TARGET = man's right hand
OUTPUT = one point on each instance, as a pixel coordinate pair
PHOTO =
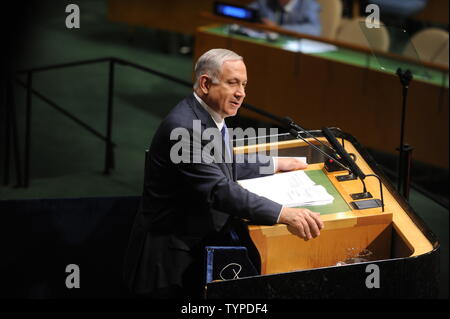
(301, 221)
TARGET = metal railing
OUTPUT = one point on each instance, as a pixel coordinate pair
(11, 121)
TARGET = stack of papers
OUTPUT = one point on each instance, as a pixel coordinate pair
(307, 46)
(289, 189)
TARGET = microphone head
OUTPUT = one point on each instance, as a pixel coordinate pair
(288, 120)
(293, 132)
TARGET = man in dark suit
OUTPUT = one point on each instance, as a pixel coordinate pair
(191, 199)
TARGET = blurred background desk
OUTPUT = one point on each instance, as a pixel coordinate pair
(171, 15)
(343, 88)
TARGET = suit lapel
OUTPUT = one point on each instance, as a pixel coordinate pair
(207, 122)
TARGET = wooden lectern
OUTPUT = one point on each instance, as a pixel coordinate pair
(401, 254)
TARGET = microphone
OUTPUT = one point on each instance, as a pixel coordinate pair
(405, 76)
(290, 122)
(342, 153)
(330, 164)
(334, 159)
(368, 203)
(337, 152)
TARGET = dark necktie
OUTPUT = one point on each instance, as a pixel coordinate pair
(234, 237)
(282, 16)
(226, 141)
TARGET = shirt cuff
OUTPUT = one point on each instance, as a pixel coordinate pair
(275, 164)
(279, 214)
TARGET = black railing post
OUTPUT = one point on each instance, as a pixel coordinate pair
(405, 176)
(5, 106)
(11, 134)
(109, 153)
(28, 130)
(15, 135)
(405, 78)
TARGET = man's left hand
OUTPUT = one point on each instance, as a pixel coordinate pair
(290, 164)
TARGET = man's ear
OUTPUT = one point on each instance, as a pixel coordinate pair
(204, 84)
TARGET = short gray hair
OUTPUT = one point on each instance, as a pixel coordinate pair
(210, 63)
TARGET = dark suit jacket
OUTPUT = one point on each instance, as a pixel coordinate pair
(186, 205)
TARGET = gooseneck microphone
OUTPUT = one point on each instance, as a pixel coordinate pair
(297, 134)
(290, 122)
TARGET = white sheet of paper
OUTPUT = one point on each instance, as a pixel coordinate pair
(307, 46)
(289, 189)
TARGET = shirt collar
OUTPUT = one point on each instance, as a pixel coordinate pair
(215, 116)
(290, 6)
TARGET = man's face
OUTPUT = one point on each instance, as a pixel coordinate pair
(226, 96)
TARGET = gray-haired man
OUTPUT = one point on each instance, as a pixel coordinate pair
(195, 202)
